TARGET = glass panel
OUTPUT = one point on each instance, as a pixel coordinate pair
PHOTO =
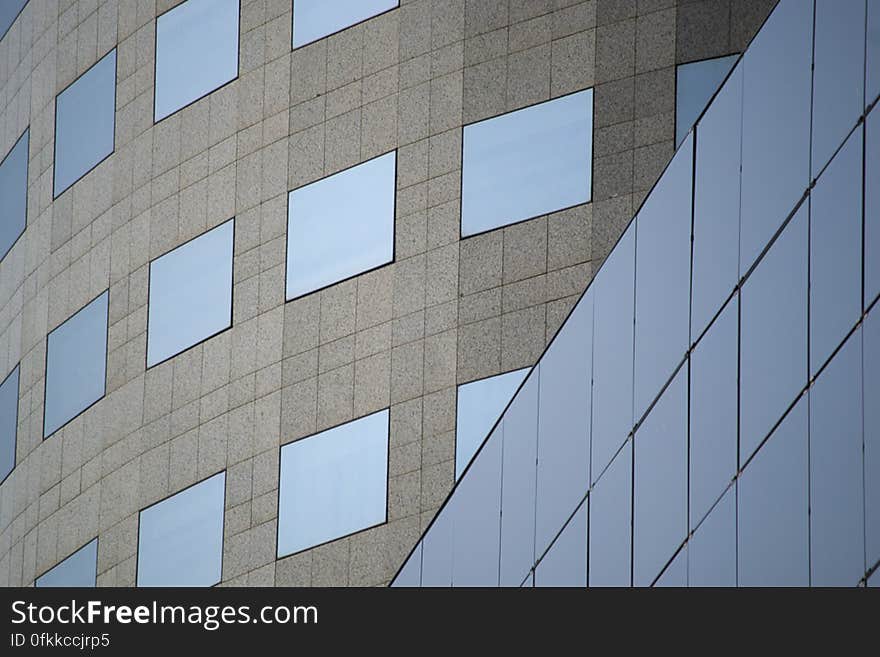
(518, 483)
(190, 296)
(694, 85)
(333, 483)
(9, 11)
(85, 122)
(776, 124)
(773, 536)
(315, 19)
(180, 539)
(79, 569)
(613, 352)
(773, 351)
(13, 193)
(437, 548)
(676, 573)
(196, 52)
(872, 77)
(527, 163)
(712, 548)
(871, 392)
(661, 485)
(713, 412)
(872, 206)
(8, 422)
(480, 404)
(663, 278)
(565, 563)
(76, 364)
(411, 573)
(477, 519)
(838, 75)
(341, 226)
(564, 423)
(835, 251)
(610, 517)
(716, 203)
(837, 502)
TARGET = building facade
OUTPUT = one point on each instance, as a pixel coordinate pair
(252, 249)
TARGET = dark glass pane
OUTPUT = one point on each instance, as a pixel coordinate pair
(716, 203)
(518, 483)
(676, 574)
(527, 163)
(872, 206)
(8, 422)
(660, 487)
(837, 520)
(315, 19)
(479, 405)
(613, 352)
(776, 124)
(85, 121)
(437, 548)
(76, 364)
(565, 563)
(564, 423)
(9, 10)
(80, 569)
(180, 539)
(695, 83)
(13, 193)
(333, 483)
(773, 344)
(476, 524)
(773, 536)
(871, 329)
(838, 75)
(610, 517)
(663, 275)
(712, 548)
(411, 573)
(836, 252)
(713, 412)
(872, 77)
(190, 294)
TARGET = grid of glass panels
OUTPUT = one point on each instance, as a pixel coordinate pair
(695, 82)
(13, 193)
(315, 19)
(80, 569)
(8, 422)
(757, 459)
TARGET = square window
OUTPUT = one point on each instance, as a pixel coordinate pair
(76, 364)
(333, 483)
(695, 82)
(180, 539)
(85, 123)
(341, 226)
(13, 193)
(527, 163)
(190, 294)
(196, 52)
(8, 422)
(80, 569)
(315, 19)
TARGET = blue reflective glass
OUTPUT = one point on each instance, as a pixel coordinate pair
(836, 251)
(180, 539)
(610, 517)
(190, 297)
(437, 548)
(76, 364)
(773, 344)
(315, 19)
(476, 523)
(613, 352)
(565, 563)
(480, 404)
(694, 85)
(8, 422)
(660, 485)
(776, 124)
(716, 203)
(872, 59)
(411, 573)
(13, 193)
(196, 52)
(676, 573)
(520, 425)
(663, 277)
(773, 536)
(712, 548)
(341, 225)
(872, 206)
(80, 569)
(527, 163)
(85, 122)
(838, 75)
(564, 423)
(713, 456)
(333, 483)
(871, 392)
(837, 520)
(9, 11)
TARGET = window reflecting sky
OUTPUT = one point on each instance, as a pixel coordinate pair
(80, 569)
(313, 19)
(694, 85)
(8, 422)
(565, 563)
(9, 10)
(13, 193)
